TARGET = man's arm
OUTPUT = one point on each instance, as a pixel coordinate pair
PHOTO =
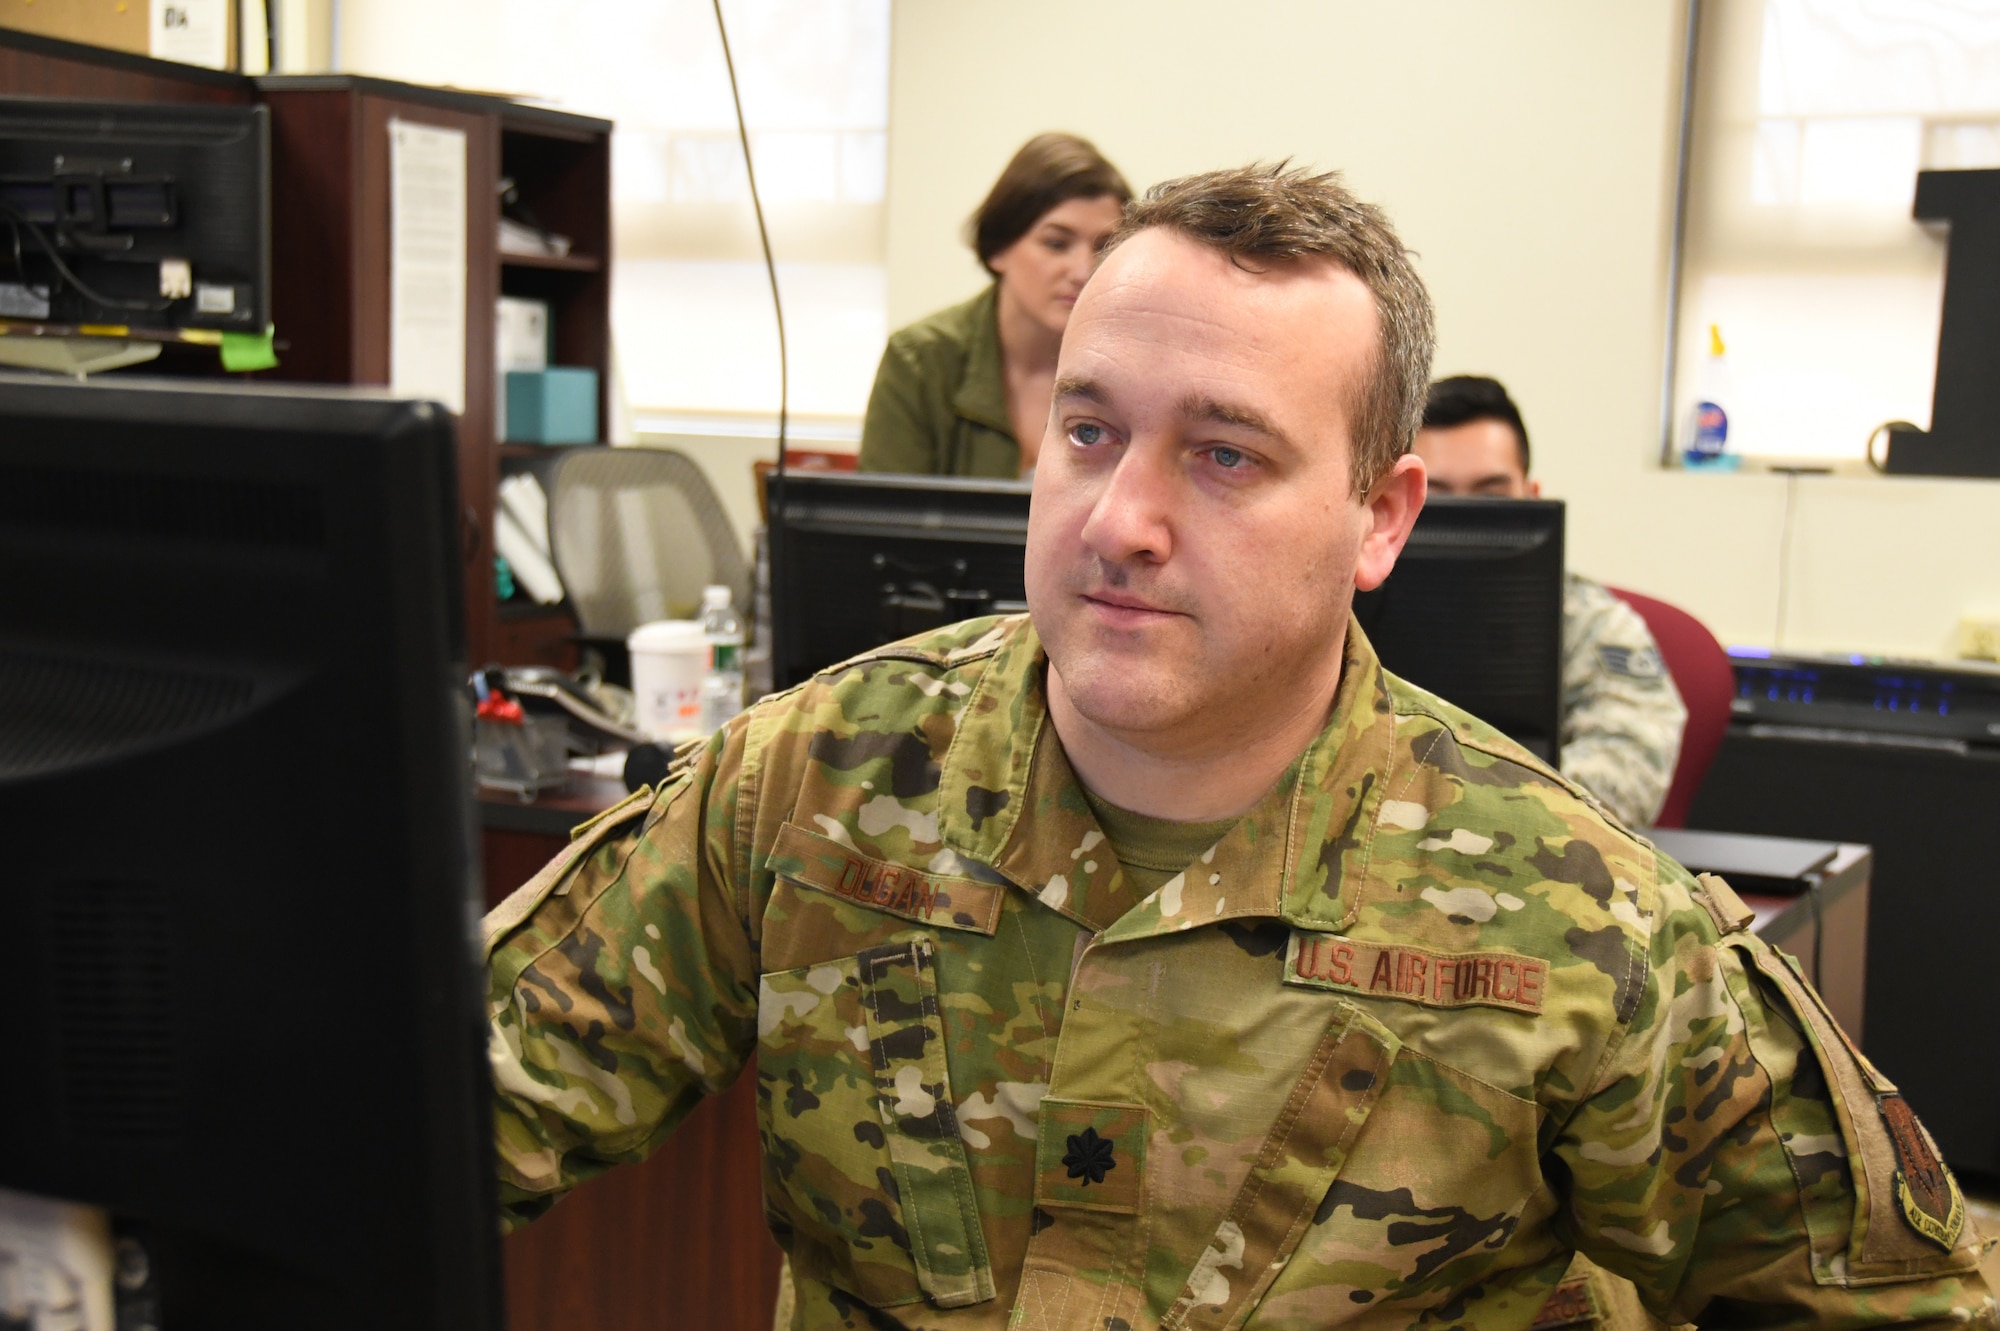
(1622, 717)
(622, 986)
(1738, 1161)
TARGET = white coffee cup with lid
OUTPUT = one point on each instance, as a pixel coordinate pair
(669, 659)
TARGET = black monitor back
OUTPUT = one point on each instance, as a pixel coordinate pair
(244, 1005)
(860, 560)
(1473, 611)
(119, 188)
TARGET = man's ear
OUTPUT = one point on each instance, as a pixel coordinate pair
(1393, 504)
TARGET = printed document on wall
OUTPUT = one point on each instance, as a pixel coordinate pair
(427, 263)
(194, 32)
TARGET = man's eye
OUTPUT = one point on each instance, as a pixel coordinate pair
(1226, 457)
(1086, 434)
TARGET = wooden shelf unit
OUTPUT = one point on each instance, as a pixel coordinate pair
(563, 263)
(330, 274)
(330, 236)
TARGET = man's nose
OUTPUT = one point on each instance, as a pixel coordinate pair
(1132, 517)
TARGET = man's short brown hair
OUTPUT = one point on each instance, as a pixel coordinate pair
(1270, 214)
(1049, 169)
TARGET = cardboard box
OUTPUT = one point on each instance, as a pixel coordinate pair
(203, 32)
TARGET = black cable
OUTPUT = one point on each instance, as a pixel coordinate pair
(1819, 934)
(18, 218)
(1785, 557)
(775, 529)
(763, 234)
(20, 267)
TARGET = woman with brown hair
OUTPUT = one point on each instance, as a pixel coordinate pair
(965, 392)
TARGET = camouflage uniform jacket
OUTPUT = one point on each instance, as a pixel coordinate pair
(1417, 1026)
(1622, 717)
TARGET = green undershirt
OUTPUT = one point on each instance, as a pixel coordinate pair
(1153, 850)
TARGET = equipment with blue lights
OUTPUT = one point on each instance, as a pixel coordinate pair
(1869, 695)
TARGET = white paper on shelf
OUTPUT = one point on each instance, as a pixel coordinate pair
(520, 238)
(194, 32)
(427, 263)
(532, 568)
(524, 500)
(523, 326)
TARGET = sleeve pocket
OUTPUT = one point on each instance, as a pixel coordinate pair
(1908, 1218)
(863, 1159)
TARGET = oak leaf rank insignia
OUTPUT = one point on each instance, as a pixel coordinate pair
(1088, 1157)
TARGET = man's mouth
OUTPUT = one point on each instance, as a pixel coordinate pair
(1126, 610)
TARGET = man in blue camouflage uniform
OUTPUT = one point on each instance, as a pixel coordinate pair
(1156, 959)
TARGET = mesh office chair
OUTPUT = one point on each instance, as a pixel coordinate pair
(636, 533)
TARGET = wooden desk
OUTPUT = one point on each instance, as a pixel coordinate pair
(1829, 936)
(1824, 923)
(680, 1240)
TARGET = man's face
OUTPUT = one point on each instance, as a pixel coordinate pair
(1194, 541)
(1480, 457)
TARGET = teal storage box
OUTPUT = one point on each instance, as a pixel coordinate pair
(553, 406)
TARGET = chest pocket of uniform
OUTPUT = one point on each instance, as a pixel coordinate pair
(1431, 1193)
(863, 1159)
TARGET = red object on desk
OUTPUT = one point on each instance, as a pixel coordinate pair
(493, 707)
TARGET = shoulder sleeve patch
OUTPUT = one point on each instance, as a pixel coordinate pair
(1909, 1215)
(1925, 1190)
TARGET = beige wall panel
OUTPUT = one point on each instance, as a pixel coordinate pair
(1525, 148)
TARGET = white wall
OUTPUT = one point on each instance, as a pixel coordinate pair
(1525, 148)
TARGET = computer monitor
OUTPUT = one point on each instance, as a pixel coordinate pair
(244, 1012)
(863, 559)
(1473, 611)
(151, 216)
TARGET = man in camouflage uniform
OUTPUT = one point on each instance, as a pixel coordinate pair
(1622, 717)
(1156, 959)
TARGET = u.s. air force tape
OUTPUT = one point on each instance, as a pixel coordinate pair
(1487, 978)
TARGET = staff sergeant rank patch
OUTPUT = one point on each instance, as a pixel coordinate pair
(1417, 975)
(1925, 1189)
(1632, 662)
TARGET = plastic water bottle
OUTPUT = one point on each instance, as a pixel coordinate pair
(722, 686)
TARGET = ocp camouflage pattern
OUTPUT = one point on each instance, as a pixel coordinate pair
(1622, 717)
(998, 1086)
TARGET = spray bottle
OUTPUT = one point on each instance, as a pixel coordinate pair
(1706, 444)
